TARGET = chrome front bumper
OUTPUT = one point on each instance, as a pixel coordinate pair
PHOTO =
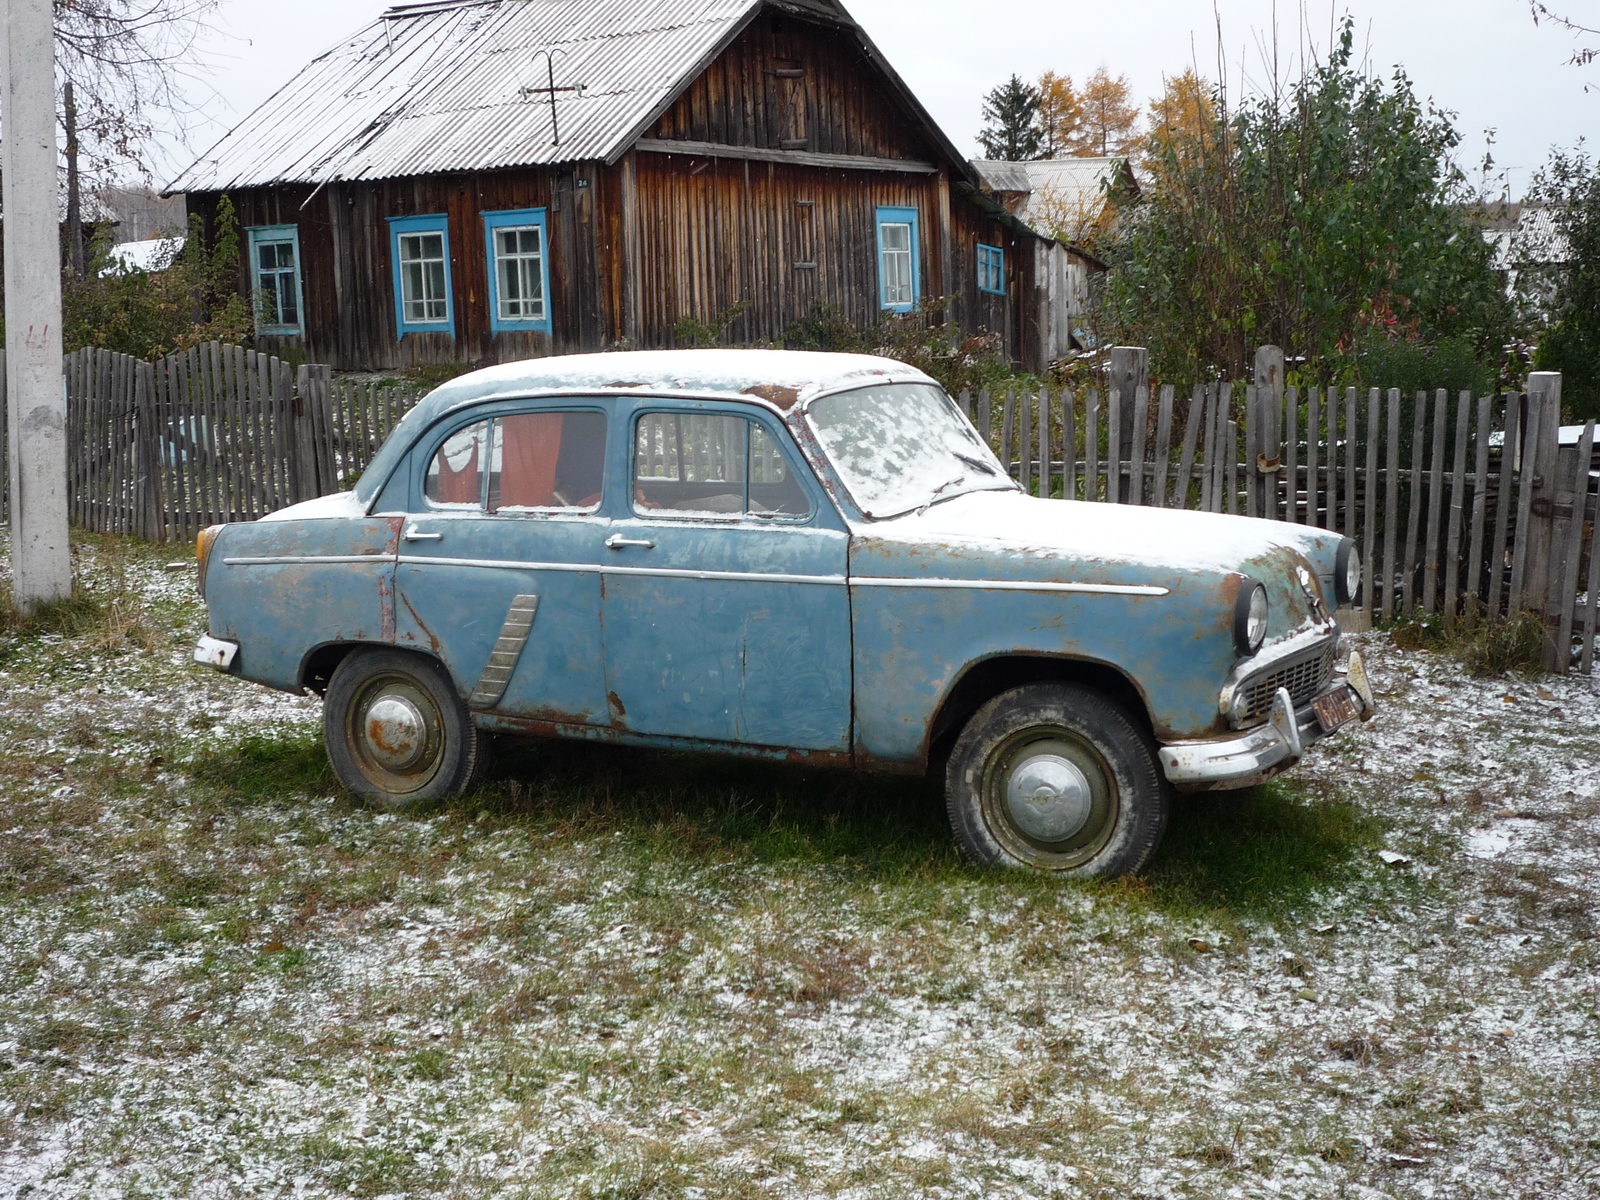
(1266, 750)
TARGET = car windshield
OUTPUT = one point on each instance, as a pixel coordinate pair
(903, 446)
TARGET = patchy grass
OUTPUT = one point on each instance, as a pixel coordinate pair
(626, 973)
(1486, 645)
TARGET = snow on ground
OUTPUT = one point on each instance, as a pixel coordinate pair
(629, 974)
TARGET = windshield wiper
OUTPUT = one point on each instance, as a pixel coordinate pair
(976, 464)
(934, 495)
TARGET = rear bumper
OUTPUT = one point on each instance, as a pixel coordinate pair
(1265, 751)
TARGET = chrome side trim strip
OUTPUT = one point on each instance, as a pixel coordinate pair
(508, 646)
(279, 560)
(597, 569)
(1014, 585)
(985, 585)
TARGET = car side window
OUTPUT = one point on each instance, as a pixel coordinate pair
(547, 460)
(523, 462)
(709, 464)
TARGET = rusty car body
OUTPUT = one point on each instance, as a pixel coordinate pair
(806, 556)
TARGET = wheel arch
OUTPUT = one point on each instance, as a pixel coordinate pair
(986, 678)
(321, 661)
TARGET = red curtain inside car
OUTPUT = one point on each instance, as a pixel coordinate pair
(458, 487)
(530, 446)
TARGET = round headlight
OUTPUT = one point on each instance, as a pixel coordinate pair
(1250, 617)
(1347, 574)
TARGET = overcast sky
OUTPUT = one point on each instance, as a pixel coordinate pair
(1483, 59)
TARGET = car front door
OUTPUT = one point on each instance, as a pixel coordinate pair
(727, 611)
(499, 567)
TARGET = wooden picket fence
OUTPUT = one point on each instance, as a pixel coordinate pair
(1461, 506)
(211, 434)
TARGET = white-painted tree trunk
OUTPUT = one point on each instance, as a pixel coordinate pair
(41, 562)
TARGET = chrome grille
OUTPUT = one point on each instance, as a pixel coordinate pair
(1304, 676)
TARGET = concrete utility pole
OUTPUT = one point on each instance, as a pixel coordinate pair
(41, 559)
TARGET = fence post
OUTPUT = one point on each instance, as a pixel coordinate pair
(1130, 376)
(312, 441)
(147, 492)
(1541, 580)
(1266, 455)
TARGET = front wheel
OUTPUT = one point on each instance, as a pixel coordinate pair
(396, 732)
(1056, 778)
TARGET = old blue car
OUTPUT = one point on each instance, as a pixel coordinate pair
(812, 557)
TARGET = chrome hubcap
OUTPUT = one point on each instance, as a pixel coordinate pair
(395, 732)
(1048, 797)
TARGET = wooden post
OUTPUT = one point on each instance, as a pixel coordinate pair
(1430, 557)
(1543, 581)
(986, 418)
(1069, 449)
(1008, 418)
(1130, 378)
(1510, 450)
(1586, 660)
(1044, 442)
(1158, 484)
(312, 382)
(1140, 420)
(1292, 445)
(1458, 491)
(1480, 489)
(1571, 547)
(1191, 434)
(1414, 507)
(146, 456)
(1024, 441)
(1252, 476)
(1391, 505)
(1369, 533)
(1116, 405)
(1091, 446)
(1269, 381)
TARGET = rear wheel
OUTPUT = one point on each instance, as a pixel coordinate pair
(396, 732)
(1056, 778)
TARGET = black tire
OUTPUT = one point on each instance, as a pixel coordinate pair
(1102, 797)
(433, 750)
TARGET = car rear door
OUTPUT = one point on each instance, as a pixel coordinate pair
(726, 607)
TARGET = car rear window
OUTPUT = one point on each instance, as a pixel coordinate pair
(522, 462)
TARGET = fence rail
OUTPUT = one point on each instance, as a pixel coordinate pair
(1461, 505)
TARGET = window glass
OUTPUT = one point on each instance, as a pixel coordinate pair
(991, 269)
(896, 241)
(547, 460)
(711, 465)
(519, 267)
(456, 474)
(422, 278)
(277, 289)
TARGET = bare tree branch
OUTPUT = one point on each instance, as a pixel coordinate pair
(1581, 57)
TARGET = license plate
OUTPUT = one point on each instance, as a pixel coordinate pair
(1334, 709)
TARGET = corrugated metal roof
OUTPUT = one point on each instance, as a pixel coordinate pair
(436, 87)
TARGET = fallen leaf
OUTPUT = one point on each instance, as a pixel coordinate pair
(1199, 944)
(1472, 919)
(1545, 693)
(272, 948)
(1394, 859)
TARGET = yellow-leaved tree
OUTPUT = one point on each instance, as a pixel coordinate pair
(1110, 123)
(1060, 114)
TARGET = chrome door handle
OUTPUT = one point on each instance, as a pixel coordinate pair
(416, 535)
(616, 542)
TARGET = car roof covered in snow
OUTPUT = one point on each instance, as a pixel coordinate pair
(782, 378)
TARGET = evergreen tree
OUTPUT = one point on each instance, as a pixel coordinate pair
(1011, 122)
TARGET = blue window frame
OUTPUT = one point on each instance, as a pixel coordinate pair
(991, 269)
(519, 269)
(275, 279)
(899, 259)
(420, 250)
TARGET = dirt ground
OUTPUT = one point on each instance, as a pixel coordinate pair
(620, 973)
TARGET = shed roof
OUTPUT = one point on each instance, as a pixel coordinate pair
(438, 86)
(1073, 184)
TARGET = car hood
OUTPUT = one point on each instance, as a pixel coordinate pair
(1010, 536)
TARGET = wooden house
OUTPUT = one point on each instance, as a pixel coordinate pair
(486, 180)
